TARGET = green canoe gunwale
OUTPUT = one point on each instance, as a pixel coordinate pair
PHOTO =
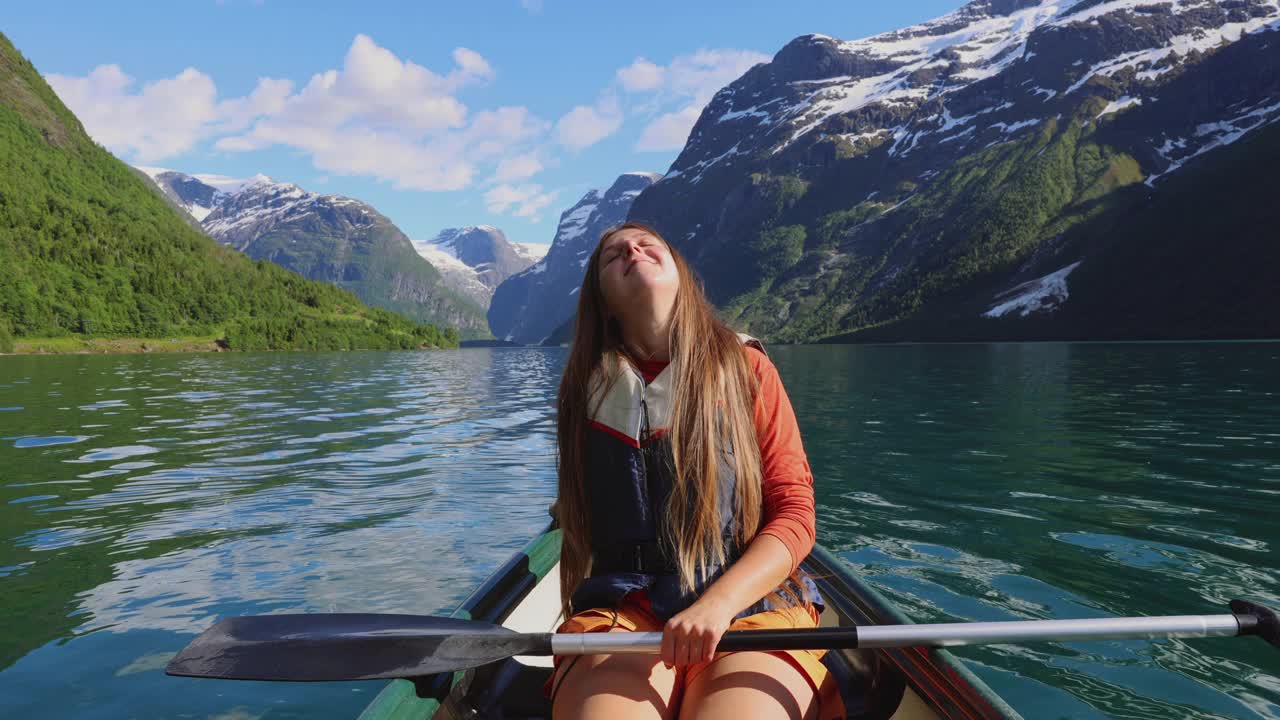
(491, 602)
(936, 676)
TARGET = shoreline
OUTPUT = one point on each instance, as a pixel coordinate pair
(113, 346)
(137, 346)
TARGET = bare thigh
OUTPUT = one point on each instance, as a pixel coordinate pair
(749, 685)
(618, 687)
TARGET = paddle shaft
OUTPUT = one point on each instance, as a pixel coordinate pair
(371, 646)
(935, 635)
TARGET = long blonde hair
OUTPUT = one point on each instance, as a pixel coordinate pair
(713, 400)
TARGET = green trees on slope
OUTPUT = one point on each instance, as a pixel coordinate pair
(87, 249)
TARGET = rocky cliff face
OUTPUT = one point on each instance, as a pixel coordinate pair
(849, 186)
(475, 260)
(531, 304)
(323, 237)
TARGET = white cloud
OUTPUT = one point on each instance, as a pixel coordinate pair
(435, 164)
(670, 130)
(394, 120)
(268, 98)
(533, 7)
(704, 72)
(384, 116)
(379, 115)
(586, 125)
(680, 90)
(493, 133)
(471, 65)
(376, 87)
(517, 167)
(164, 118)
(641, 76)
(525, 201)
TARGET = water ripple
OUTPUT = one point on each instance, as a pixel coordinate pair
(968, 482)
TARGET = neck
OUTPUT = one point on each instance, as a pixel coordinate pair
(645, 322)
(649, 342)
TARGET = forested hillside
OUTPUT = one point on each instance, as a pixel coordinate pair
(87, 249)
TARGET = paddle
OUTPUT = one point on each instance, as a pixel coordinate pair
(370, 647)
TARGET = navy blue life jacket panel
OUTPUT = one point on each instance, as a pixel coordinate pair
(629, 479)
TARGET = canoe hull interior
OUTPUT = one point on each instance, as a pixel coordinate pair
(902, 684)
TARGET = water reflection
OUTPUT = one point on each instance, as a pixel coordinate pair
(223, 485)
(145, 497)
(1078, 480)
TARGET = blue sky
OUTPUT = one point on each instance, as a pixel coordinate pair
(438, 114)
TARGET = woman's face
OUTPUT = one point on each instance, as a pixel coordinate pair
(635, 264)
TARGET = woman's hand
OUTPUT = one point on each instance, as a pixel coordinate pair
(692, 636)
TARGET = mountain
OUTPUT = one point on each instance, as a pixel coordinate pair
(88, 249)
(330, 238)
(914, 184)
(528, 306)
(200, 194)
(475, 260)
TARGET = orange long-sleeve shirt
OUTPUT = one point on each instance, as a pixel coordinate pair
(786, 480)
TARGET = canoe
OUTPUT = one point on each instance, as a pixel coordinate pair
(524, 595)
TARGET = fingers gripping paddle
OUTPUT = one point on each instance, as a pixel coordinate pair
(370, 647)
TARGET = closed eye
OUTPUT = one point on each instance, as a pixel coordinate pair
(619, 250)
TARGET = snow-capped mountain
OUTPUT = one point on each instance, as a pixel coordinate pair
(924, 83)
(533, 252)
(528, 306)
(323, 237)
(476, 259)
(199, 194)
(847, 184)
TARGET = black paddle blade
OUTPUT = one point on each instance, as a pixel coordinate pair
(318, 647)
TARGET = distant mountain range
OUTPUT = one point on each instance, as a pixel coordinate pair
(1010, 170)
(530, 305)
(331, 238)
(475, 260)
(89, 249)
(1016, 169)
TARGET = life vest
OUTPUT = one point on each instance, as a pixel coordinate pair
(629, 476)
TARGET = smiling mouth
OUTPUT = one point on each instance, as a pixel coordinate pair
(634, 263)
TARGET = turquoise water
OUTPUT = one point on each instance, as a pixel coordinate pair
(143, 497)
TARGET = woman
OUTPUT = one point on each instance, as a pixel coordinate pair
(685, 500)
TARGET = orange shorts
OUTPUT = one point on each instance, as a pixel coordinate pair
(636, 615)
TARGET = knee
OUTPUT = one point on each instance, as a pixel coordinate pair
(598, 681)
(750, 685)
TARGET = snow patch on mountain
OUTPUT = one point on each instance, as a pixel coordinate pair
(230, 185)
(575, 223)
(1156, 61)
(264, 202)
(904, 74)
(1211, 136)
(982, 45)
(533, 251)
(200, 194)
(1120, 104)
(462, 277)
(440, 257)
(476, 259)
(1042, 294)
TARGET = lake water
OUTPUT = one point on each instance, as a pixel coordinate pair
(143, 497)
